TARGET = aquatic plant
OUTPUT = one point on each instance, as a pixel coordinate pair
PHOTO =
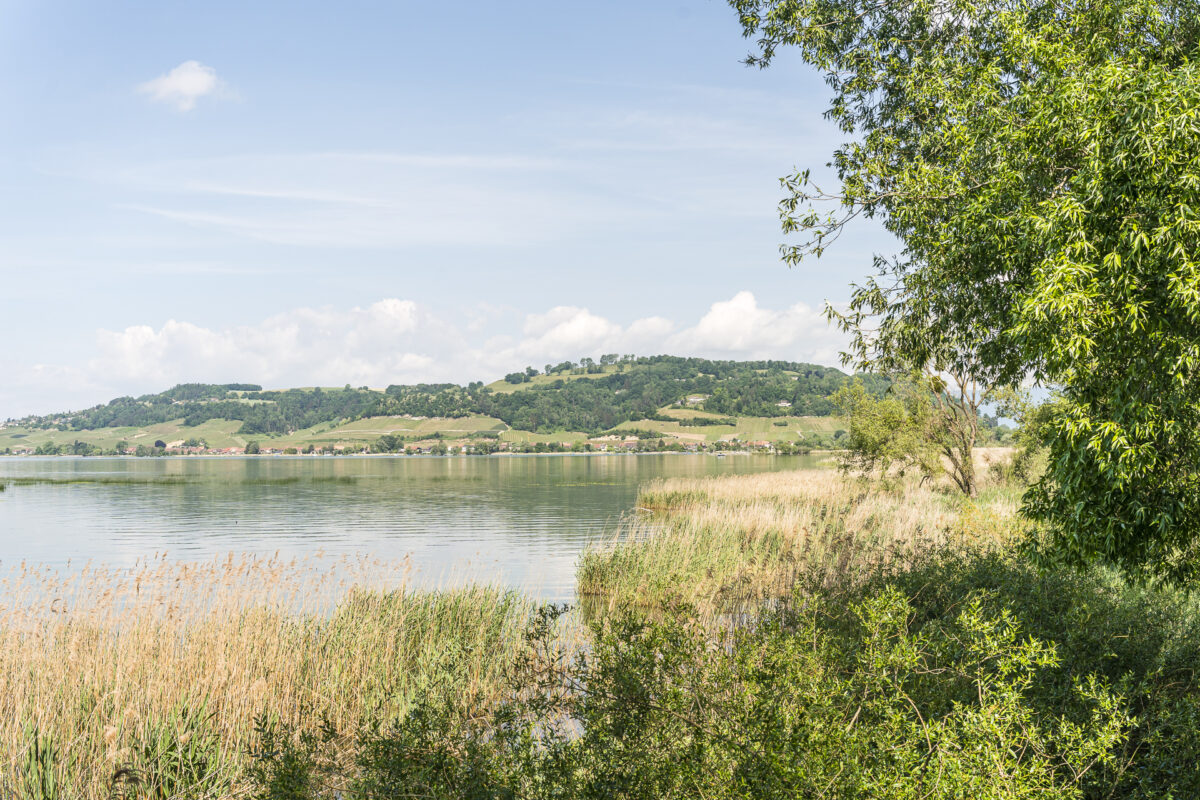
(736, 540)
(153, 676)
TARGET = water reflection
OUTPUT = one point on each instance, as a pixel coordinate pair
(518, 520)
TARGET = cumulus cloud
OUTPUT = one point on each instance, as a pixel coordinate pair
(399, 341)
(740, 328)
(183, 85)
(372, 345)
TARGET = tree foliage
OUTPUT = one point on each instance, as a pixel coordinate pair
(1039, 161)
(918, 424)
(889, 433)
(591, 404)
(827, 699)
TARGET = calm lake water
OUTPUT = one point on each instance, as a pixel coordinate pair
(521, 521)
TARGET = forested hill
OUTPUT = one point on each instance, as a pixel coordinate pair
(585, 396)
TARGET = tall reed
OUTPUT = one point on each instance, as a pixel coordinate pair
(127, 669)
(723, 542)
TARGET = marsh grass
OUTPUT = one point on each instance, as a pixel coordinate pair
(289, 480)
(171, 480)
(166, 480)
(154, 676)
(157, 680)
(723, 543)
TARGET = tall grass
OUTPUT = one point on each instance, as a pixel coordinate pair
(724, 542)
(138, 672)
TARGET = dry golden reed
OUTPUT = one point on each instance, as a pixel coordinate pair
(97, 661)
(728, 541)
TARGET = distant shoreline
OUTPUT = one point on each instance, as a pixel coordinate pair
(318, 456)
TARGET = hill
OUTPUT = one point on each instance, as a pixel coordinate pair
(683, 401)
(557, 400)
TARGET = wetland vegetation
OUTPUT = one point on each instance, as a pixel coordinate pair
(921, 625)
(762, 635)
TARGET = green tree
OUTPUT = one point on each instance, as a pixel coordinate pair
(889, 433)
(252, 448)
(1034, 420)
(954, 428)
(1040, 165)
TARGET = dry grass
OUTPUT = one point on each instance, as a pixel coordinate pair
(103, 663)
(722, 542)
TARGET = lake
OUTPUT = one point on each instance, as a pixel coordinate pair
(518, 520)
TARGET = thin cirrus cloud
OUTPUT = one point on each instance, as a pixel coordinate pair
(366, 200)
(182, 86)
(552, 177)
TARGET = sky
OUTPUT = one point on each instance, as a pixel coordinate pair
(299, 194)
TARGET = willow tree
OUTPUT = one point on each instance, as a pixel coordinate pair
(1039, 162)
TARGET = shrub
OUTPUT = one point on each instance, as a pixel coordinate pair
(811, 700)
(1141, 640)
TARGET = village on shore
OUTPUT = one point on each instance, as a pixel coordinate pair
(600, 445)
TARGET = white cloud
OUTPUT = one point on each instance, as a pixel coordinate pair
(740, 328)
(399, 341)
(373, 200)
(183, 85)
(372, 345)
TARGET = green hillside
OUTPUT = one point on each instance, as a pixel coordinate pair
(677, 401)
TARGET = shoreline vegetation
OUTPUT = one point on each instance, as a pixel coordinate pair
(772, 635)
(154, 676)
(747, 539)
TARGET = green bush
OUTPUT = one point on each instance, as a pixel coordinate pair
(846, 697)
(180, 757)
(1142, 641)
(44, 773)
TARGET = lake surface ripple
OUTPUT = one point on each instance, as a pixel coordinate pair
(517, 521)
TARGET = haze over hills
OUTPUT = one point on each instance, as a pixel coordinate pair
(684, 401)
(588, 396)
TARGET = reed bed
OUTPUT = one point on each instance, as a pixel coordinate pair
(124, 672)
(155, 680)
(721, 543)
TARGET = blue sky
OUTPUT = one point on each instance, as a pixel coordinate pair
(372, 193)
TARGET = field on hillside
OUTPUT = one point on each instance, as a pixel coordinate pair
(747, 429)
(220, 433)
(366, 431)
(217, 432)
(504, 387)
